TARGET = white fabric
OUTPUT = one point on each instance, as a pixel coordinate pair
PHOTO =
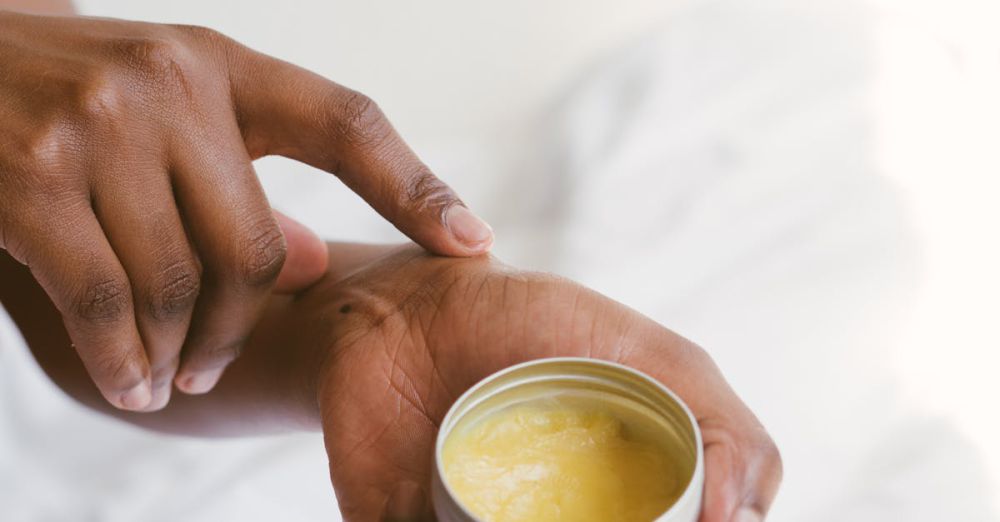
(718, 176)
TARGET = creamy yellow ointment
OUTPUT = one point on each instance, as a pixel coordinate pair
(560, 461)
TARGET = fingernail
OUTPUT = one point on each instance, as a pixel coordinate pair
(200, 382)
(137, 398)
(407, 502)
(161, 396)
(467, 227)
(747, 515)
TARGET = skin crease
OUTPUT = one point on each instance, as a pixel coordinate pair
(126, 185)
(375, 353)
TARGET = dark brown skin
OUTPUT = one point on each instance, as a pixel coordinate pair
(377, 351)
(126, 185)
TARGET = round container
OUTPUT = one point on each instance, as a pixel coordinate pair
(627, 392)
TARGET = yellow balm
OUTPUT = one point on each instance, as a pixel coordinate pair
(552, 460)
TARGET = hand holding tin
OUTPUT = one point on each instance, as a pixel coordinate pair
(413, 332)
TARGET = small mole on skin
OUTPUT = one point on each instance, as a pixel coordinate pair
(345, 309)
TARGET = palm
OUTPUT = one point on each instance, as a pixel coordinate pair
(413, 332)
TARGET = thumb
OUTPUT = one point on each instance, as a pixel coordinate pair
(307, 258)
(295, 113)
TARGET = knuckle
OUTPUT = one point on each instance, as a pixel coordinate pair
(146, 53)
(163, 61)
(359, 120)
(203, 39)
(175, 291)
(40, 148)
(103, 300)
(263, 256)
(97, 99)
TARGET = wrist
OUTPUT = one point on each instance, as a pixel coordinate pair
(304, 336)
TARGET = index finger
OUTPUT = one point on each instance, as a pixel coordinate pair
(292, 112)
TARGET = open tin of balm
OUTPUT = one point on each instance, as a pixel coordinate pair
(568, 439)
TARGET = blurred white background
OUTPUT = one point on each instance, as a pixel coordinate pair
(938, 110)
(477, 89)
(453, 68)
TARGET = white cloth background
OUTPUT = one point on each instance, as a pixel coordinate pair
(718, 174)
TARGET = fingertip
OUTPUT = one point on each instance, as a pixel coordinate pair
(308, 257)
(472, 233)
(160, 398)
(136, 398)
(198, 383)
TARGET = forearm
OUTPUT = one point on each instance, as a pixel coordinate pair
(270, 388)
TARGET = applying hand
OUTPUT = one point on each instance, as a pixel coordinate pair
(126, 186)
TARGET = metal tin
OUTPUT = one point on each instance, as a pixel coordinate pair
(607, 381)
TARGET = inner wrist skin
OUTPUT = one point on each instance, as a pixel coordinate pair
(306, 332)
(355, 316)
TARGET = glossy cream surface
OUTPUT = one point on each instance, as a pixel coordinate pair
(551, 461)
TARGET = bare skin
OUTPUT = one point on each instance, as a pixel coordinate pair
(377, 351)
(111, 122)
(126, 185)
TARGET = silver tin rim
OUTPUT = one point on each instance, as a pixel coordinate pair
(688, 505)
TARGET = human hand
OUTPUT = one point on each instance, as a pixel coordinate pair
(408, 333)
(126, 185)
